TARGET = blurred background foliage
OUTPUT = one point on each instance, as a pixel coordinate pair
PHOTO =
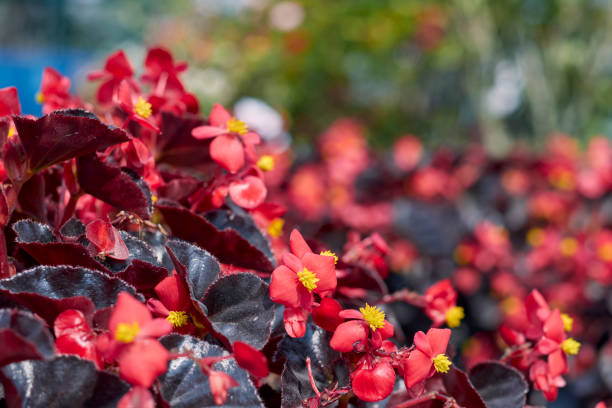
(449, 72)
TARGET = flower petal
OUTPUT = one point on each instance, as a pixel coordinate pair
(347, 334)
(173, 293)
(219, 116)
(297, 244)
(227, 151)
(249, 192)
(417, 368)
(326, 315)
(137, 397)
(557, 363)
(283, 287)
(421, 342)
(142, 362)
(251, 138)
(553, 327)
(374, 384)
(155, 328)
(295, 321)
(387, 330)
(206, 132)
(251, 359)
(323, 267)
(351, 314)
(438, 339)
(292, 262)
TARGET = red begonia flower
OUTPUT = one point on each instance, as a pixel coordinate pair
(132, 320)
(546, 380)
(428, 356)
(106, 240)
(55, 92)
(441, 304)
(232, 140)
(219, 384)
(160, 66)
(556, 344)
(174, 303)
(132, 337)
(137, 108)
(137, 397)
(249, 192)
(9, 102)
(407, 152)
(250, 359)
(74, 336)
(116, 69)
(354, 333)
(373, 383)
(302, 274)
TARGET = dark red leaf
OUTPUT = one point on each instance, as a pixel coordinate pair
(116, 186)
(49, 290)
(226, 244)
(499, 385)
(23, 336)
(62, 135)
(176, 146)
(461, 388)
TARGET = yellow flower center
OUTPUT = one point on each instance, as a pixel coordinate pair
(40, 98)
(463, 254)
(562, 179)
(510, 305)
(266, 163)
(570, 346)
(568, 246)
(535, 237)
(178, 319)
(237, 126)
(275, 228)
(568, 322)
(154, 198)
(605, 252)
(125, 333)
(330, 253)
(12, 131)
(441, 363)
(308, 279)
(454, 316)
(142, 108)
(373, 316)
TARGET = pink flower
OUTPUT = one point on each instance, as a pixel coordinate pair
(132, 341)
(353, 335)
(428, 356)
(232, 140)
(116, 69)
(294, 283)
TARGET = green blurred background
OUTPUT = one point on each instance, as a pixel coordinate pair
(448, 71)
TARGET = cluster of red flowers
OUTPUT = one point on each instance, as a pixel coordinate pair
(183, 220)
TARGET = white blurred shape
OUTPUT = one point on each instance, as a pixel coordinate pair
(263, 119)
(286, 15)
(505, 94)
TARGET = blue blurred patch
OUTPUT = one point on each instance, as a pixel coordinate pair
(23, 68)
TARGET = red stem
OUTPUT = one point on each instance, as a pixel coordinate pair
(311, 378)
